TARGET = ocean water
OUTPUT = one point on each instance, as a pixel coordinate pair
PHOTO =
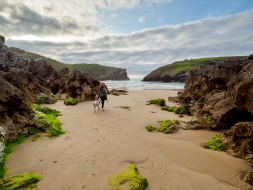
(137, 84)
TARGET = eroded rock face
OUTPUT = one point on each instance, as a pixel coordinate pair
(22, 79)
(81, 86)
(221, 93)
(238, 141)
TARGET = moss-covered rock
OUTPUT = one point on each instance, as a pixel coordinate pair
(124, 107)
(129, 179)
(168, 126)
(175, 109)
(23, 182)
(150, 128)
(215, 144)
(159, 102)
(249, 178)
(47, 117)
(70, 101)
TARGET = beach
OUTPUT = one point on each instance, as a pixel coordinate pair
(97, 145)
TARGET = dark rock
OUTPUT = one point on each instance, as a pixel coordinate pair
(250, 56)
(220, 92)
(25, 81)
(238, 141)
(2, 39)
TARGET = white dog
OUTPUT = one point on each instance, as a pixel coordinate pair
(96, 103)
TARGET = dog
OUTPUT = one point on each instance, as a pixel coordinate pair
(96, 103)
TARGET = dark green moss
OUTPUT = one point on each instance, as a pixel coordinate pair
(176, 110)
(23, 182)
(215, 144)
(249, 178)
(128, 179)
(70, 101)
(159, 102)
(150, 128)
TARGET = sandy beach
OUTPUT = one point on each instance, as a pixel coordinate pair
(99, 144)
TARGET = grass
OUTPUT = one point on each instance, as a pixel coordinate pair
(36, 137)
(159, 102)
(128, 179)
(93, 69)
(47, 117)
(186, 66)
(124, 107)
(215, 144)
(70, 101)
(23, 182)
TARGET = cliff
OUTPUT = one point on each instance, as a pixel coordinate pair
(97, 71)
(23, 80)
(178, 71)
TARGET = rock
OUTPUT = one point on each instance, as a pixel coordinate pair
(238, 140)
(220, 92)
(250, 56)
(113, 74)
(2, 39)
(25, 81)
(2, 143)
(117, 92)
(81, 86)
(173, 99)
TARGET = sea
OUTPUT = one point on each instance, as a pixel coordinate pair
(138, 84)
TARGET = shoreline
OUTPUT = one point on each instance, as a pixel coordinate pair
(99, 144)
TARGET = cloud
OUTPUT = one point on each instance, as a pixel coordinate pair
(21, 20)
(112, 16)
(141, 19)
(143, 51)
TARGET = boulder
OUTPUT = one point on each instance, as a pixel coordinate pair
(238, 141)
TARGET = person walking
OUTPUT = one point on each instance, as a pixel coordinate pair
(102, 94)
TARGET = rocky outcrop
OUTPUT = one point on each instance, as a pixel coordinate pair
(2, 39)
(117, 74)
(24, 79)
(167, 73)
(238, 141)
(218, 96)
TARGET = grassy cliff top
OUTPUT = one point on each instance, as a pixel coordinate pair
(93, 69)
(186, 65)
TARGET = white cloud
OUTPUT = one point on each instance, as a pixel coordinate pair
(143, 51)
(112, 16)
(141, 19)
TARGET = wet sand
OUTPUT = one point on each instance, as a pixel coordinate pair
(99, 144)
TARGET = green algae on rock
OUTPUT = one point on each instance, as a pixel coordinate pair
(175, 109)
(22, 181)
(124, 107)
(150, 128)
(70, 101)
(47, 117)
(129, 179)
(159, 102)
(215, 144)
(249, 178)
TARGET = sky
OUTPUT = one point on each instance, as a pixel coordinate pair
(138, 35)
